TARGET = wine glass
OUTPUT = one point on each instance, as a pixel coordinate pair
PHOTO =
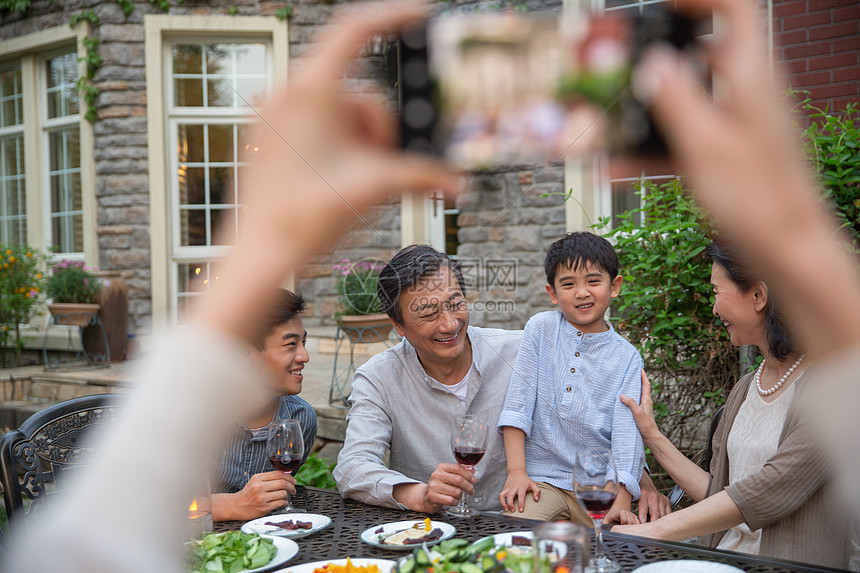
(469, 442)
(285, 448)
(595, 483)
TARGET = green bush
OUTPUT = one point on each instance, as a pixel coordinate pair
(665, 311)
(316, 472)
(833, 147)
(21, 288)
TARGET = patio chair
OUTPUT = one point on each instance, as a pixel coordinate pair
(49, 443)
(677, 493)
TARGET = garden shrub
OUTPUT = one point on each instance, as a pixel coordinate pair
(832, 143)
(664, 309)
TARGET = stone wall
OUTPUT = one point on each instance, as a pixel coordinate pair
(505, 228)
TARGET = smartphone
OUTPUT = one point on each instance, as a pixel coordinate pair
(482, 90)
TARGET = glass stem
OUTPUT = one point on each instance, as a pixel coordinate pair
(598, 539)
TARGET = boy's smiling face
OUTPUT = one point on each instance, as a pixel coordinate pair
(583, 295)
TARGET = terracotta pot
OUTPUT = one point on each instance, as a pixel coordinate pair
(113, 299)
(366, 328)
(73, 313)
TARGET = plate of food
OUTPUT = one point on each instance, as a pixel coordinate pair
(405, 535)
(521, 541)
(510, 539)
(288, 524)
(348, 565)
(483, 556)
(254, 552)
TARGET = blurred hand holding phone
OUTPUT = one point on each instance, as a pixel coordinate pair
(492, 89)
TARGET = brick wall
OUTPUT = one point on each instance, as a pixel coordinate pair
(818, 44)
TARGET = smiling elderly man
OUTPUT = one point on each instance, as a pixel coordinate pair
(406, 398)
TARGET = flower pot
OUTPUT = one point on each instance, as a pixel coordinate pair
(113, 299)
(365, 328)
(73, 313)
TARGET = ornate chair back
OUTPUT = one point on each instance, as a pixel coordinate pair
(49, 443)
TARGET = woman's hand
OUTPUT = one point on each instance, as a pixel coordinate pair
(643, 412)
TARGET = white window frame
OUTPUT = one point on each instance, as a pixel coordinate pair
(161, 31)
(32, 51)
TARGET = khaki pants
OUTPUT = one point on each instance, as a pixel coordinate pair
(555, 504)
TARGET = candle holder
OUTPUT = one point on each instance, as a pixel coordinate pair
(200, 512)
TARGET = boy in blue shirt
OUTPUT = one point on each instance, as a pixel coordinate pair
(564, 392)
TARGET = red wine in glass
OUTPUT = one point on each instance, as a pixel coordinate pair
(285, 448)
(597, 502)
(468, 442)
(595, 483)
(468, 457)
(287, 464)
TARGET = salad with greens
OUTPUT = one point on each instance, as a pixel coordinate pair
(458, 556)
(230, 552)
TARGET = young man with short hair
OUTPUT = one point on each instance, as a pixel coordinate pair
(245, 485)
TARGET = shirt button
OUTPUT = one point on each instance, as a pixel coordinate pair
(576, 354)
(579, 334)
(568, 389)
(572, 370)
(246, 474)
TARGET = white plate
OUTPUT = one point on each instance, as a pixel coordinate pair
(371, 536)
(384, 565)
(507, 539)
(687, 565)
(286, 550)
(259, 525)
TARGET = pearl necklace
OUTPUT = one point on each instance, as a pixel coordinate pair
(778, 385)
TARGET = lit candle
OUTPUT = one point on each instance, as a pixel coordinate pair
(199, 518)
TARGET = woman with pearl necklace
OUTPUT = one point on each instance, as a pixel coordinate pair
(769, 489)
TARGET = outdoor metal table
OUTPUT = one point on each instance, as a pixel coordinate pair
(350, 518)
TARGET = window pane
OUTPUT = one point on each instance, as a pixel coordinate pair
(189, 92)
(187, 59)
(191, 144)
(13, 203)
(220, 217)
(624, 199)
(220, 93)
(192, 224)
(251, 91)
(193, 279)
(221, 143)
(221, 186)
(251, 59)
(62, 73)
(219, 58)
(65, 184)
(11, 97)
(192, 186)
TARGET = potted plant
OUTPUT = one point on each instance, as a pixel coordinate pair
(73, 290)
(358, 307)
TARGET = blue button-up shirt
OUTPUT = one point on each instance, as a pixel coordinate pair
(244, 454)
(564, 395)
